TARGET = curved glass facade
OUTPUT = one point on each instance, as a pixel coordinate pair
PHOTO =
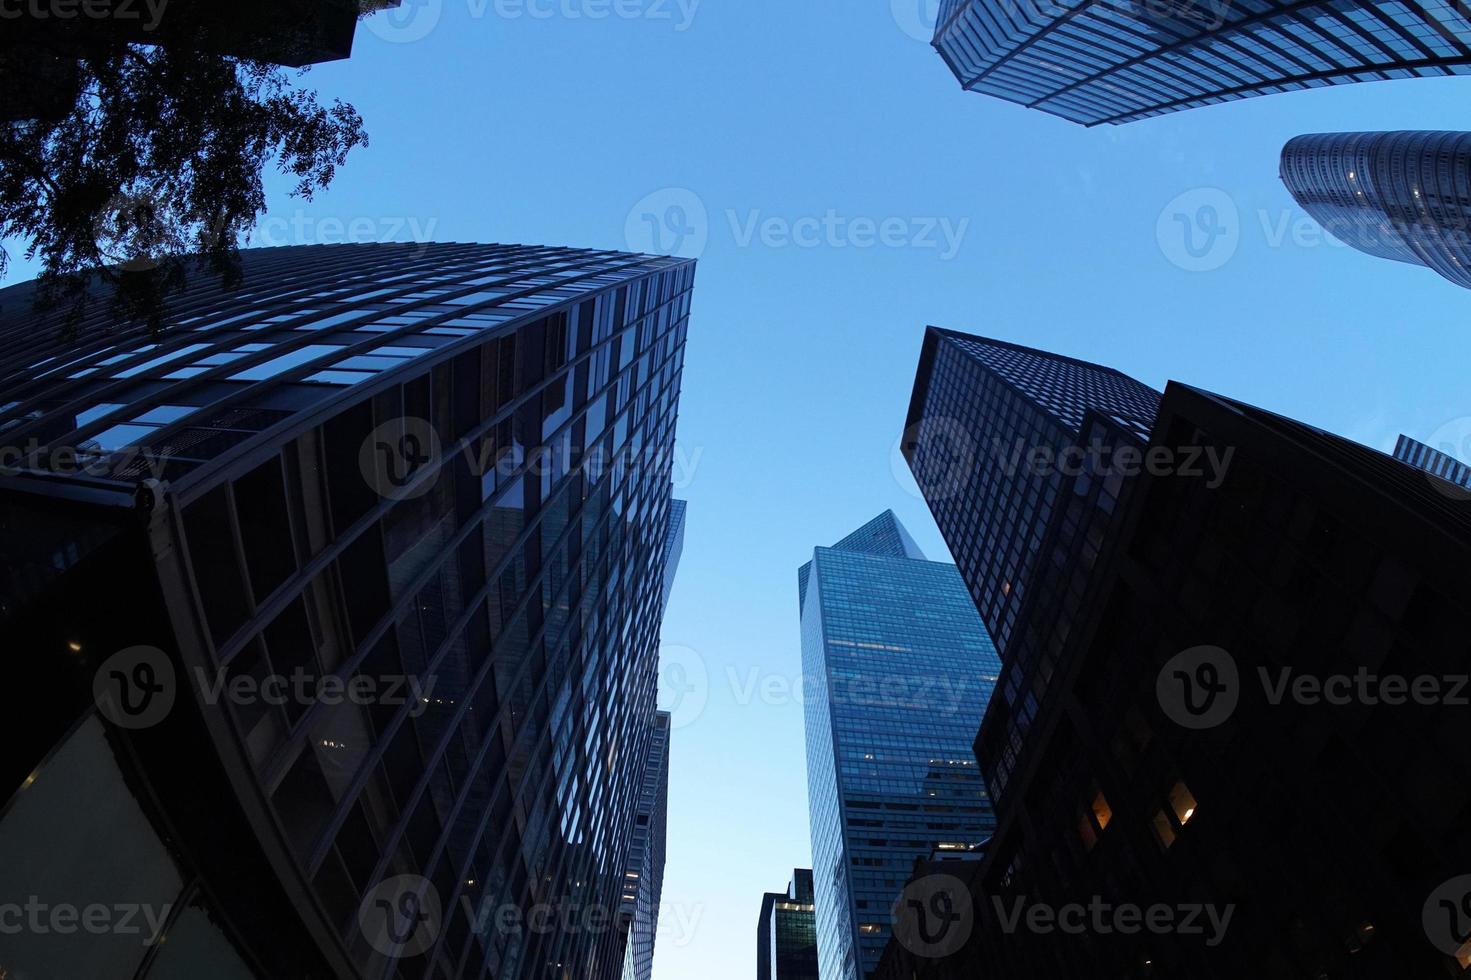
(1399, 195)
(436, 475)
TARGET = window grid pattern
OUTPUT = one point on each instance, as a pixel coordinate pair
(1117, 61)
(1398, 195)
(522, 593)
(899, 670)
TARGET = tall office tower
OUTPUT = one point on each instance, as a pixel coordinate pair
(340, 599)
(992, 433)
(674, 544)
(898, 670)
(1117, 61)
(786, 936)
(1404, 196)
(1433, 461)
(1256, 721)
(644, 879)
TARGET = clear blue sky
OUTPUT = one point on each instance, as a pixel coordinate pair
(512, 127)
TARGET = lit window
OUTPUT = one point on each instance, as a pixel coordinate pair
(1102, 812)
(1182, 801)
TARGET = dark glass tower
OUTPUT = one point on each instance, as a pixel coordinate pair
(1322, 832)
(786, 936)
(898, 670)
(992, 431)
(1403, 196)
(435, 476)
(643, 885)
(1433, 461)
(1117, 62)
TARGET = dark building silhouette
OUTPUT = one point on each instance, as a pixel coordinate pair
(1165, 766)
(1117, 61)
(786, 936)
(992, 427)
(1401, 195)
(897, 669)
(340, 600)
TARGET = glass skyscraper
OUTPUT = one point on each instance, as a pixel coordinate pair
(786, 936)
(1117, 61)
(993, 430)
(898, 671)
(1400, 195)
(643, 886)
(340, 598)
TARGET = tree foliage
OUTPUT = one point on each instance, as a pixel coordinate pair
(158, 159)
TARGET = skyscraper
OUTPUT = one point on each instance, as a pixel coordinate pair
(786, 935)
(1402, 195)
(898, 670)
(1433, 461)
(344, 595)
(994, 432)
(1117, 61)
(674, 544)
(1233, 732)
(643, 886)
